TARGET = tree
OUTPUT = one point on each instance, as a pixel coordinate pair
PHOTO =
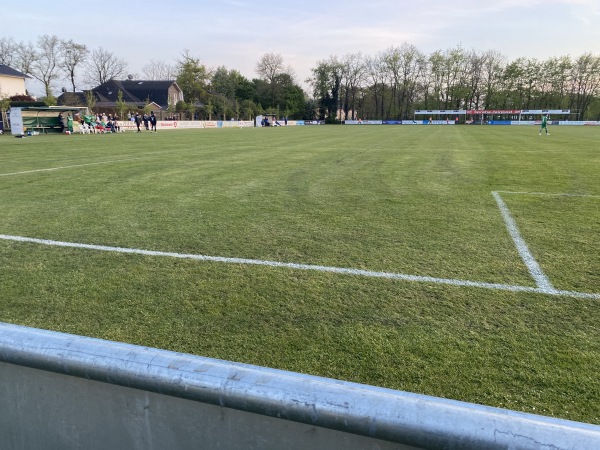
(557, 74)
(44, 67)
(4, 105)
(90, 100)
(159, 70)
(353, 76)
(585, 82)
(49, 100)
(73, 56)
(26, 55)
(459, 85)
(403, 67)
(103, 66)
(147, 107)
(269, 67)
(392, 66)
(375, 74)
(244, 89)
(290, 97)
(192, 78)
(326, 82)
(494, 65)
(224, 82)
(513, 85)
(436, 78)
(120, 105)
(414, 65)
(8, 51)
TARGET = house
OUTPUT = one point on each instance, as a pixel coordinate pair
(135, 92)
(12, 82)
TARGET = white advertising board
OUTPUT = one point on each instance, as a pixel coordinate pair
(16, 121)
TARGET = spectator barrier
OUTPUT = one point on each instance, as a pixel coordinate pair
(62, 391)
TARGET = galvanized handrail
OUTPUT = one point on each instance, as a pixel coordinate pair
(400, 417)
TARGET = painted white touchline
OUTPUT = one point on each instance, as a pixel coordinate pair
(340, 270)
(549, 194)
(535, 270)
(66, 167)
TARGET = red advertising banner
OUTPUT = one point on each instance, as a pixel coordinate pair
(493, 111)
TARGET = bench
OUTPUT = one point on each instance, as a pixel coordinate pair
(41, 129)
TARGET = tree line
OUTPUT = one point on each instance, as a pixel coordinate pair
(398, 81)
(389, 85)
(208, 92)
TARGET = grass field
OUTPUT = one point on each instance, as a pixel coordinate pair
(441, 296)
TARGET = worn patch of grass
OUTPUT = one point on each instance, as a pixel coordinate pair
(414, 200)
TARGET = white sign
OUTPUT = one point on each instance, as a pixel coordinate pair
(16, 122)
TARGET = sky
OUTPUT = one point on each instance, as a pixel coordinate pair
(236, 34)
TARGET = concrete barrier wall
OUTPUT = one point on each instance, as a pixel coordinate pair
(61, 391)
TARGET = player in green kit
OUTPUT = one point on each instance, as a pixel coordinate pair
(544, 125)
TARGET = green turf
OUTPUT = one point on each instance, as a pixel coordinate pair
(410, 200)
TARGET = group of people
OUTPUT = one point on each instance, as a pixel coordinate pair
(100, 123)
(149, 121)
(104, 123)
(265, 122)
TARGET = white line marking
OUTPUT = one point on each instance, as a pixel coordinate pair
(549, 194)
(535, 270)
(340, 270)
(66, 167)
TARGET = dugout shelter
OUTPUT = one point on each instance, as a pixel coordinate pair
(267, 120)
(41, 119)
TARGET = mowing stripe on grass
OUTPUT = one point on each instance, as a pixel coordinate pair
(276, 264)
(65, 167)
(535, 270)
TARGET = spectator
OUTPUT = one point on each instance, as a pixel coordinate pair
(61, 122)
(138, 121)
(152, 121)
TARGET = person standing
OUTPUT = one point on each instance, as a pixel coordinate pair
(138, 121)
(544, 125)
(89, 122)
(61, 122)
(152, 121)
(70, 122)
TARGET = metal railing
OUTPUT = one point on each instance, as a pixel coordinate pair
(64, 391)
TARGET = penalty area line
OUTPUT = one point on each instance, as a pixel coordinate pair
(310, 267)
(542, 281)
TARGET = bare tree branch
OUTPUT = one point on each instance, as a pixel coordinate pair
(103, 66)
(159, 70)
(73, 56)
(45, 67)
(8, 51)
